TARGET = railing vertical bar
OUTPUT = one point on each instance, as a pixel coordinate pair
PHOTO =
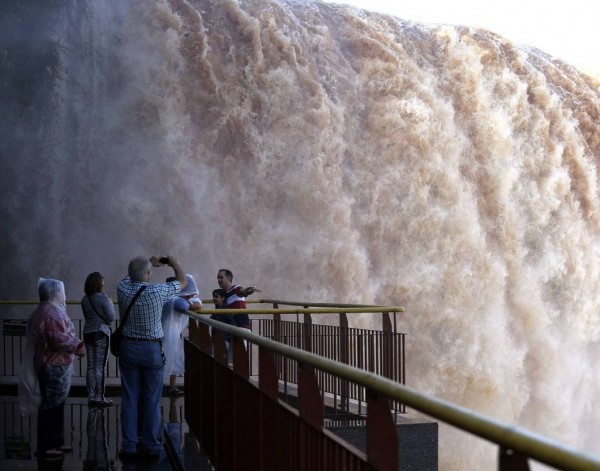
(220, 349)
(285, 372)
(267, 382)
(386, 347)
(510, 460)
(344, 342)
(403, 350)
(225, 402)
(359, 389)
(307, 330)
(241, 357)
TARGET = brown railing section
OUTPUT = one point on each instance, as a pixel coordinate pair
(243, 425)
(379, 351)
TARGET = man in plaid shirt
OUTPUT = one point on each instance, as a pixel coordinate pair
(141, 361)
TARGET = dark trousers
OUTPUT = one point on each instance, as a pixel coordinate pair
(51, 425)
(96, 349)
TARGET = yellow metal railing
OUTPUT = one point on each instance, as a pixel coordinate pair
(308, 308)
(513, 441)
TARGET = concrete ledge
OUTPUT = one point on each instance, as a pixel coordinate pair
(417, 442)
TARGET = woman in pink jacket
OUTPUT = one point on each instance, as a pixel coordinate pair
(50, 352)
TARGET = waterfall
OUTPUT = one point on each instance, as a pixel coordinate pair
(323, 153)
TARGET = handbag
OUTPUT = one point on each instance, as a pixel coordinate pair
(117, 336)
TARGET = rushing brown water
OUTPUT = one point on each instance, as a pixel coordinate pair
(326, 153)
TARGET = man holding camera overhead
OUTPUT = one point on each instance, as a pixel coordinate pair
(141, 360)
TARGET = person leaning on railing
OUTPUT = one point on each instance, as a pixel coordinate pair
(174, 322)
(235, 297)
(218, 296)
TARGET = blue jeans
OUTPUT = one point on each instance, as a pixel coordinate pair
(141, 367)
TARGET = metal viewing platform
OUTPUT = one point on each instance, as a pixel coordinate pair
(292, 394)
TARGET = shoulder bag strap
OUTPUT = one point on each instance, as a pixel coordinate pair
(96, 311)
(139, 291)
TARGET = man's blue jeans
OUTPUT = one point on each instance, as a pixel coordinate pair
(141, 367)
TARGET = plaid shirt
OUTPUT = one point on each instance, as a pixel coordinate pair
(144, 320)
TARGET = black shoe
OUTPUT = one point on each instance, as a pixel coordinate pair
(102, 403)
(48, 453)
(127, 455)
(51, 455)
(147, 453)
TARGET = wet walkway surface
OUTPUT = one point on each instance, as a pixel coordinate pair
(94, 434)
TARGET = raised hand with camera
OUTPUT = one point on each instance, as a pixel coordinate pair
(170, 260)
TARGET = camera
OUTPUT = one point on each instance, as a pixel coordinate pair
(164, 260)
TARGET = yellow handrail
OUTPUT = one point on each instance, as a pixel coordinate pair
(340, 305)
(326, 308)
(304, 310)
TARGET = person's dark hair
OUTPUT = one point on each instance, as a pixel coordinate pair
(228, 273)
(93, 283)
(220, 293)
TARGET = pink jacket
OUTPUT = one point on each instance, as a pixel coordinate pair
(53, 335)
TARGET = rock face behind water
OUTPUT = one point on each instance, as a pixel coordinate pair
(322, 153)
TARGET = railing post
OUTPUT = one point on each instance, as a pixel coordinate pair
(510, 460)
(268, 386)
(382, 439)
(200, 335)
(310, 408)
(344, 358)
(267, 379)
(386, 346)
(310, 403)
(276, 324)
(241, 357)
(281, 362)
(219, 346)
(307, 331)
(193, 331)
